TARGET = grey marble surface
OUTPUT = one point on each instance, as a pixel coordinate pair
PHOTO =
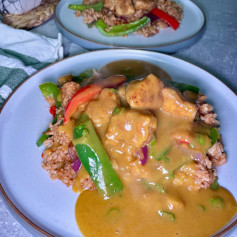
(216, 52)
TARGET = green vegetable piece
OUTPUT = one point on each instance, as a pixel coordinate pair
(167, 159)
(84, 75)
(153, 186)
(42, 139)
(153, 141)
(44, 136)
(121, 29)
(95, 159)
(168, 215)
(113, 210)
(214, 135)
(217, 202)
(215, 186)
(202, 207)
(164, 153)
(201, 139)
(50, 89)
(181, 86)
(114, 90)
(97, 7)
(115, 111)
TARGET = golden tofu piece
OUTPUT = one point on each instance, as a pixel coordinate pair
(124, 7)
(145, 94)
(147, 5)
(175, 106)
(131, 127)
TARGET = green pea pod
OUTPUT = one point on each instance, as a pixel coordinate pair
(181, 86)
(95, 159)
(97, 7)
(50, 89)
(121, 29)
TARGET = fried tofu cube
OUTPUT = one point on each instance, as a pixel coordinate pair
(174, 105)
(147, 5)
(145, 94)
(131, 127)
(124, 7)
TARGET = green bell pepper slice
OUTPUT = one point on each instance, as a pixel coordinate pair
(50, 89)
(181, 86)
(95, 159)
(97, 7)
(121, 29)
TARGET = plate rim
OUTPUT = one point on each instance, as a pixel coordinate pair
(23, 218)
(58, 22)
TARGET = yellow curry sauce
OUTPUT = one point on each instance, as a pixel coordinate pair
(160, 198)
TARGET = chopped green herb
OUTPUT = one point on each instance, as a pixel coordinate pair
(203, 208)
(167, 159)
(153, 186)
(113, 90)
(153, 141)
(164, 153)
(115, 111)
(217, 202)
(169, 215)
(215, 186)
(201, 139)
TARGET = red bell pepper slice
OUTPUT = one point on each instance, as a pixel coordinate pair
(89, 92)
(52, 110)
(166, 17)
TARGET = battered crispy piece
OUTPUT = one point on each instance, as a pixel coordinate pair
(68, 90)
(175, 106)
(124, 7)
(144, 4)
(109, 4)
(145, 94)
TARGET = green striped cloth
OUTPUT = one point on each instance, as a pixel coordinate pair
(21, 54)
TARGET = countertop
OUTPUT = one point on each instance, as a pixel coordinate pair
(215, 52)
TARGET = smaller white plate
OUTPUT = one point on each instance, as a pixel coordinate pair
(167, 40)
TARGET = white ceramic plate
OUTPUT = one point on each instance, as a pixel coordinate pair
(167, 40)
(48, 206)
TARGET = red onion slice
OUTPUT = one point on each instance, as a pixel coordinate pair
(72, 152)
(145, 155)
(76, 165)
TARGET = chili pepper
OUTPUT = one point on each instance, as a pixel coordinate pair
(181, 86)
(52, 110)
(50, 89)
(95, 159)
(166, 17)
(89, 92)
(121, 29)
(97, 7)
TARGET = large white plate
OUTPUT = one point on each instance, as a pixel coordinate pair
(48, 206)
(167, 40)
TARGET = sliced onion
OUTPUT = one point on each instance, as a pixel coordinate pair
(152, 17)
(195, 155)
(145, 155)
(76, 165)
(72, 152)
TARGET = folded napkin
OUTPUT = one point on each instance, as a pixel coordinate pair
(21, 54)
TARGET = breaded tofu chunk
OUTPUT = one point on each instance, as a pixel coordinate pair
(68, 90)
(124, 7)
(145, 94)
(144, 4)
(131, 127)
(174, 105)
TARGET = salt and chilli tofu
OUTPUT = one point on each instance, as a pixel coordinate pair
(122, 17)
(143, 154)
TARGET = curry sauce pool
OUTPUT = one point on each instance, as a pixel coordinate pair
(128, 216)
(143, 155)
